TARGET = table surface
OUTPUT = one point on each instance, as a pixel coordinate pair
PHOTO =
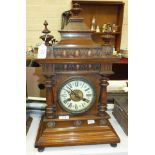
(98, 149)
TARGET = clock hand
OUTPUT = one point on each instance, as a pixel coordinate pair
(69, 99)
(70, 89)
(67, 91)
(65, 101)
(72, 92)
(77, 95)
(86, 100)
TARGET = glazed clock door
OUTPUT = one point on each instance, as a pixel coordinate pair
(76, 95)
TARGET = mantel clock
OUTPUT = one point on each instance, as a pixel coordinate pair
(77, 72)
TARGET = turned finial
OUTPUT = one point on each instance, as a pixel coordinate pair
(76, 9)
(107, 38)
(46, 31)
(46, 37)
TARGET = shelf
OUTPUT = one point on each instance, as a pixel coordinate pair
(120, 69)
(104, 12)
(122, 61)
(112, 33)
(98, 2)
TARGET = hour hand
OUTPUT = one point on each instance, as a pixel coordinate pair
(65, 101)
(86, 100)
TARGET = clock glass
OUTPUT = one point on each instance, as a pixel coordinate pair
(76, 95)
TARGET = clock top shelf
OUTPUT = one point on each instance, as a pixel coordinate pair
(98, 2)
(104, 12)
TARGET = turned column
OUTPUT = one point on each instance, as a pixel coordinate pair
(102, 107)
(48, 72)
(50, 108)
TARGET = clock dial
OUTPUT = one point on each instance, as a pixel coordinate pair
(76, 95)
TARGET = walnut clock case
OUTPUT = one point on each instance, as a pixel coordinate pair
(77, 72)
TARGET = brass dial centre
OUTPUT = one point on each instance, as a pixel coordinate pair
(76, 95)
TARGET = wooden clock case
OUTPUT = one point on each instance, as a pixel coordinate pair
(76, 55)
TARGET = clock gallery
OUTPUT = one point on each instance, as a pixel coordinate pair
(77, 72)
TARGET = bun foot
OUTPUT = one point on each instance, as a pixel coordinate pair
(113, 145)
(41, 149)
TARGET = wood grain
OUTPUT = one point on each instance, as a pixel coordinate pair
(72, 59)
(71, 135)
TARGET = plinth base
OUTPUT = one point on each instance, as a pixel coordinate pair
(64, 133)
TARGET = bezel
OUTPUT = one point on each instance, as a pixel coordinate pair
(70, 80)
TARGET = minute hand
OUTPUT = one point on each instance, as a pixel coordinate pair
(68, 91)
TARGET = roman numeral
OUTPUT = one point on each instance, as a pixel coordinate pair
(76, 83)
(65, 101)
(83, 104)
(64, 95)
(88, 95)
(76, 107)
(69, 85)
(82, 84)
(70, 105)
(87, 89)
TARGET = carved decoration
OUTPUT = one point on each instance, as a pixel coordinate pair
(106, 67)
(77, 67)
(51, 124)
(77, 123)
(82, 52)
(107, 38)
(103, 121)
